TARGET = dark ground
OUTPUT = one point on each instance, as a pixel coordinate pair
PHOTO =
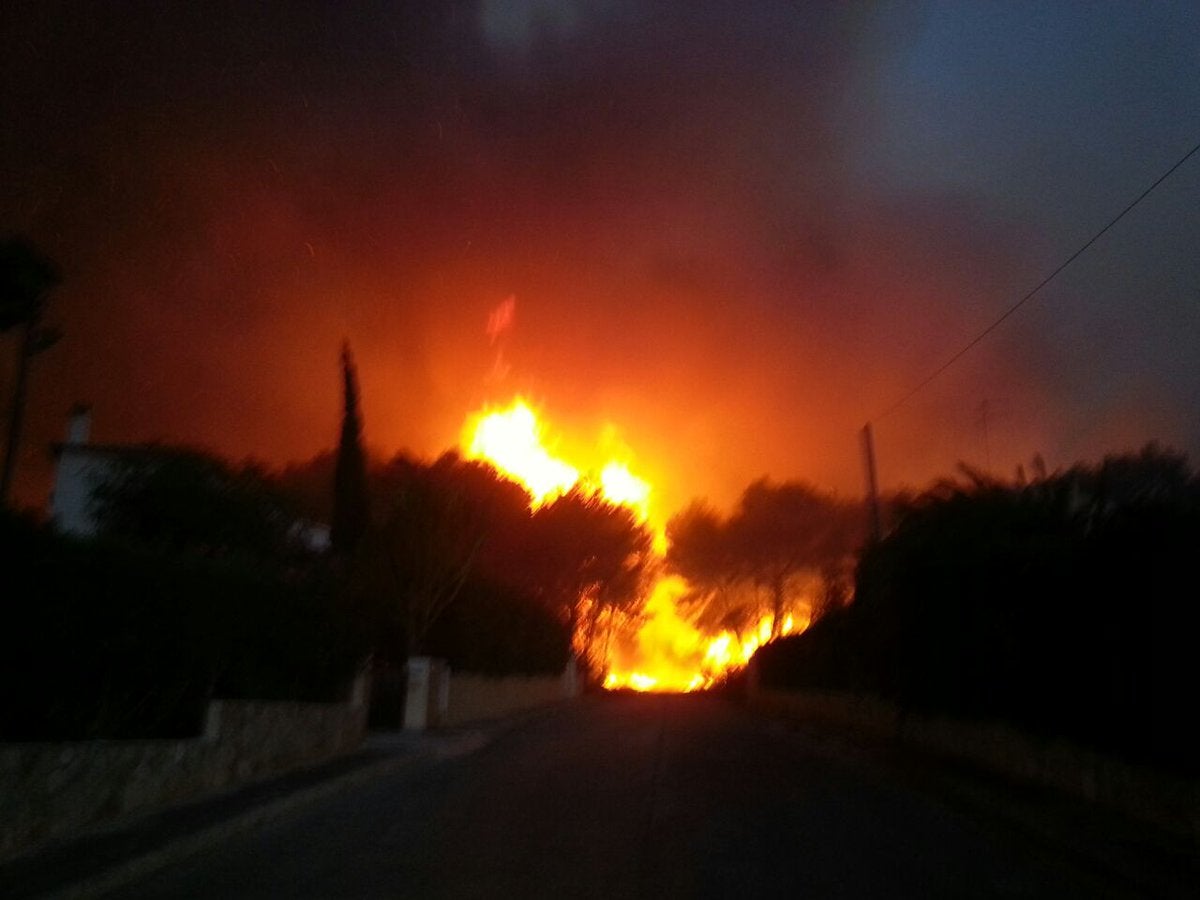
(657, 796)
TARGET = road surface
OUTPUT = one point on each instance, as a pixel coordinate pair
(644, 796)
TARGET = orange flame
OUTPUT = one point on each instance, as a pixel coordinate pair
(515, 442)
(671, 654)
(511, 440)
(666, 652)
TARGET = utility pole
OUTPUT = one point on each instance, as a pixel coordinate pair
(26, 277)
(35, 339)
(873, 517)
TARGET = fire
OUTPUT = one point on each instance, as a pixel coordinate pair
(680, 656)
(621, 486)
(729, 651)
(666, 645)
(514, 441)
(511, 440)
(666, 652)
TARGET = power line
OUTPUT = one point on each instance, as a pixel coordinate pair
(1041, 284)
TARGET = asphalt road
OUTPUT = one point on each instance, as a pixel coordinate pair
(645, 796)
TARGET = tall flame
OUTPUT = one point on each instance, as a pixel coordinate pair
(511, 440)
(667, 652)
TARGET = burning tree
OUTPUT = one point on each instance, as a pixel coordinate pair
(701, 551)
(454, 523)
(778, 535)
(590, 559)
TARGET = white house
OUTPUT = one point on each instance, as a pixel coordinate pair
(81, 466)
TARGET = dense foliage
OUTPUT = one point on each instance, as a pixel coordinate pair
(782, 542)
(179, 500)
(456, 563)
(1065, 603)
(199, 586)
(111, 638)
(496, 630)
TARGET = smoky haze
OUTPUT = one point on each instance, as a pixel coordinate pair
(736, 232)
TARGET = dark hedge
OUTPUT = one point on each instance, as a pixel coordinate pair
(1067, 606)
(104, 639)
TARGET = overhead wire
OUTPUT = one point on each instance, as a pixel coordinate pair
(1041, 284)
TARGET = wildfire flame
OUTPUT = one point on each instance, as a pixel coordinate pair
(671, 654)
(621, 486)
(511, 440)
(667, 652)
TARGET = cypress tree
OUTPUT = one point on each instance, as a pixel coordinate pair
(351, 510)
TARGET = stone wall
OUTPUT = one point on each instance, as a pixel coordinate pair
(437, 697)
(475, 697)
(1169, 802)
(51, 791)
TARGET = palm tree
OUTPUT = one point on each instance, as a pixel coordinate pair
(26, 279)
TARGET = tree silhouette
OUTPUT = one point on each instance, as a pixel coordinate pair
(454, 539)
(416, 559)
(777, 535)
(351, 505)
(188, 501)
(26, 279)
(1061, 601)
(503, 508)
(305, 485)
(587, 559)
(701, 550)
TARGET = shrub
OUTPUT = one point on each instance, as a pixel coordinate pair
(1063, 605)
(106, 639)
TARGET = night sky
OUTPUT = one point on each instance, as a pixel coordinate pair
(736, 231)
